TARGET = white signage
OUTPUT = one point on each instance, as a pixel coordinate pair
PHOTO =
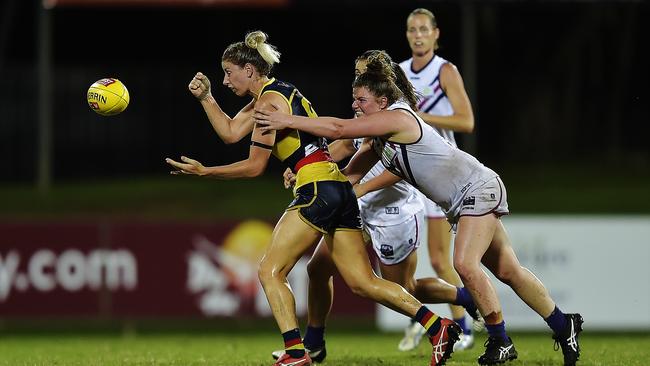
(594, 265)
(71, 270)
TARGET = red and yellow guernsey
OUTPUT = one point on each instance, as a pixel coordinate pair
(307, 155)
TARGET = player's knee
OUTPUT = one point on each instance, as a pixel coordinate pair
(465, 270)
(268, 272)
(359, 291)
(263, 274)
(409, 286)
(439, 265)
(361, 288)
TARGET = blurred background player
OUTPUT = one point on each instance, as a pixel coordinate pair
(472, 195)
(392, 219)
(445, 106)
(324, 205)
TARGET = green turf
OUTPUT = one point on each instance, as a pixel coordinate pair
(345, 349)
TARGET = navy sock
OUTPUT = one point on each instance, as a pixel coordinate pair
(293, 343)
(314, 337)
(463, 298)
(497, 330)
(463, 325)
(557, 321)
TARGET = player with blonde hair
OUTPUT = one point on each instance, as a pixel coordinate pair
(324, 203)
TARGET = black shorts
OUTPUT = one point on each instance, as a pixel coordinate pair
(328, 206)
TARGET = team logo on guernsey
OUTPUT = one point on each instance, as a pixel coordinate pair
(388, 153)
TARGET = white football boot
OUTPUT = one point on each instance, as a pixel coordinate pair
(465, 342)
(412, 336)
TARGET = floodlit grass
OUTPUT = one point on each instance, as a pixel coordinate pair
(344, 349)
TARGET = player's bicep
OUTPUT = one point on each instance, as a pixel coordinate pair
(263, 139)
(260, 150)
(380, 124)
(243, 122)
(272, 102)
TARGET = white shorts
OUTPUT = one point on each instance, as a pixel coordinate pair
(393, 243)
(486, 198)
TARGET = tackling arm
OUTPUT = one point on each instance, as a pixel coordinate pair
(394, 124)
(383, 180)
(360, 163)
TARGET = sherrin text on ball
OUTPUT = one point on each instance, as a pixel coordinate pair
(108, 97)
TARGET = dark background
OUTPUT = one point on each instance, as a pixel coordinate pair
(559, 83)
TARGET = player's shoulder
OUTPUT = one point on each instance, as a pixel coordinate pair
(449, 70)
(448, 66)
(279, 86)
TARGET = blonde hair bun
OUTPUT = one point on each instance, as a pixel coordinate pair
(257, 40)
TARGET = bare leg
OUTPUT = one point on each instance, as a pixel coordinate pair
(473, 238)
(349, 253)
(439, 242)
(291, 238)
(501, 260)
(321, 268)
(429, 290)
(402, 273)
(432, 290)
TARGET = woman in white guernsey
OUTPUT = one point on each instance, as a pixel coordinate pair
(472, 196)
(445, 106)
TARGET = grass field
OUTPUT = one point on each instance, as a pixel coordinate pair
(344, 349)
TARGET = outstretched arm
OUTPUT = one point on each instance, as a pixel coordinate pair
(230, 130)
(395, 125)
(463, 118)
(253, 166)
